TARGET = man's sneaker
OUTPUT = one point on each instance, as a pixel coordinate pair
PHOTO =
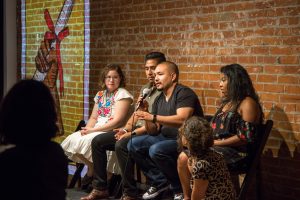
(153, 192)
(178, 196)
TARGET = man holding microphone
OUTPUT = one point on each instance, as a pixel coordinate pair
(117, 140)
(156, 153)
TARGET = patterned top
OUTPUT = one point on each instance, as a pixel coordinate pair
(106, 103)
(212, 167)
(230, 123)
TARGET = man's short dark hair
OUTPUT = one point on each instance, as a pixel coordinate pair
(160, 57)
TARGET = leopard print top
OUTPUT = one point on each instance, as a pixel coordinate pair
(212, 167)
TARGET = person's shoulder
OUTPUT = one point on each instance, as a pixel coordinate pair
(248, 102)
(181, 87)
(183, 90)
(123, 90)
(122, 93)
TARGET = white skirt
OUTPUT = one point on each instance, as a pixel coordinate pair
(81, 144)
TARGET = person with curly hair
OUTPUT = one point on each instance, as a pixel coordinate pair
(210, 176)
(235, 122)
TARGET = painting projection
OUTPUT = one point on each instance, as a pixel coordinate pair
(55, 52)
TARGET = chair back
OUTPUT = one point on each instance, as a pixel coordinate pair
(262, 135)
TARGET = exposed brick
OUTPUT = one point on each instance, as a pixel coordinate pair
(200, 36)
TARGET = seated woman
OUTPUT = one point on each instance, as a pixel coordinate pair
(210, 176)
(32, 166)
(112, 105)
(234, 124)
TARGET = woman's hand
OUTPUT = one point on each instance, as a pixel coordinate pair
(86, 130)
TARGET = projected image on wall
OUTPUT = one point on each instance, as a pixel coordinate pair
(54, 51)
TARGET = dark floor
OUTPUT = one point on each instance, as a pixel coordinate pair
(76, 193)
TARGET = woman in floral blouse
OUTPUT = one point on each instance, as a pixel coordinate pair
(112, 105)
(234, 124)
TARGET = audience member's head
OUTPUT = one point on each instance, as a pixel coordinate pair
(239, 84)
(196, 135)
(28, 114)
(106, 70)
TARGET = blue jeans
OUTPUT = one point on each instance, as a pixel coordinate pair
(157, 158)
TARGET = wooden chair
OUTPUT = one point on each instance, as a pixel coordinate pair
(252, 169)
(115, 187)
(250, 165)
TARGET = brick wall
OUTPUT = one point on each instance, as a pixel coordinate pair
(201, 36)
(72, 53)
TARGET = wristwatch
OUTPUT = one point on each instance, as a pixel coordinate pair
(133, 133)
(154, 119)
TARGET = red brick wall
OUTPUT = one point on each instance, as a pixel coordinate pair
(201, 36)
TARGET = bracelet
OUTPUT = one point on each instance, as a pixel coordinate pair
(154, 119)
(125, 130)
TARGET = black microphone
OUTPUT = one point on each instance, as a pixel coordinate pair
(145, 93)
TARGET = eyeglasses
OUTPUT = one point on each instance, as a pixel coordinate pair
(112, 78)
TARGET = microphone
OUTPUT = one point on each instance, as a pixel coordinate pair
(145, 92)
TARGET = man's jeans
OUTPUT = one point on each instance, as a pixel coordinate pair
(157, 158)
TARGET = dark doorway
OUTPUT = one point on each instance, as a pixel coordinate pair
(2, 53)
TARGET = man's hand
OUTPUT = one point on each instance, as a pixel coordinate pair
(120, 134)
(142, 104)
(144, 115)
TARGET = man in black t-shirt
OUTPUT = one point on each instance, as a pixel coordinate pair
(156, 153)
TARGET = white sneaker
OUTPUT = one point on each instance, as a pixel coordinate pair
(178, 196)
(153, 192)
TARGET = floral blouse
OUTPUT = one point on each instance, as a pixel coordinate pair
(229, 123)
(106, 103)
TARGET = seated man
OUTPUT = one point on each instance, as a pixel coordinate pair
(107, 141)
(156, 153)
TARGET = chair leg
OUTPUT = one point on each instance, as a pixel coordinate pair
(76, 177)
(115, 186)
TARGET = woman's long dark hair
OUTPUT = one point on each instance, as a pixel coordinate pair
(239, 86)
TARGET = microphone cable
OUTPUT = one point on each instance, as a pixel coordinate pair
(133, 126)
(128, 151)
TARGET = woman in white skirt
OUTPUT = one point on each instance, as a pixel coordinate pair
(112, 105)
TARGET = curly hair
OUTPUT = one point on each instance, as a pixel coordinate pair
(239, 85)
(199, 135)
(104, 72)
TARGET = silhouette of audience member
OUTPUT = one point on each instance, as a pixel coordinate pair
(234, 124)
(32, 166)
(210, 175)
